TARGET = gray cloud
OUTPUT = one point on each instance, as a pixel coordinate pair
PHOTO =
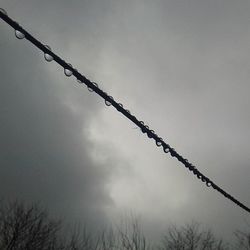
(183, 66)
(44, 149)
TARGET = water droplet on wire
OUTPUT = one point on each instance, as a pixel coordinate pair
(203, 179)
(68, 72)
(19, 34)
(48, 57)
(166, 150)
(159, 142)
(108, 103)
(3, 11)
(90, 89)
(209, 184)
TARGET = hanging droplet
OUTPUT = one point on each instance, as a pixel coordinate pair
(3, 11)
(90, 89)
(128, 111)
(166, 150)
(172, 152)
(68, 72)
(48, 57)
(108, 103)
(209, 184)
(199, 176)
(203, 179)
(159, 142)
(19, 34)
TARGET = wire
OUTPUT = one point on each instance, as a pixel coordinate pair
(109, 100)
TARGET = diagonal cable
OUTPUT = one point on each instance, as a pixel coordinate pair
(109, 100)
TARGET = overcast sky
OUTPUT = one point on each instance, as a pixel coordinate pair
(182, 66)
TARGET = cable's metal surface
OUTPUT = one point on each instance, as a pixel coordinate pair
(109, 100)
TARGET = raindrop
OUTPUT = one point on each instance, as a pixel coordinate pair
(209, 184)
(199, 176)
(90, 89)
(128, 111)
(173, 152)
(120, 104)
(3, 11)
(48, 57)
(203, 179)
(108, 103)
(68, 72)
(19, 34)
(159, 142)
(166, 150)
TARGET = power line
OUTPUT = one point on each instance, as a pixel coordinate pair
(109, 100)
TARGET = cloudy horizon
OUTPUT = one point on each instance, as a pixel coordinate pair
(181, 66)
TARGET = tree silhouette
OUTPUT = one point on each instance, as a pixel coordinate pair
(242, 240)
(191, 237)
(28, 227)
(23, 227)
